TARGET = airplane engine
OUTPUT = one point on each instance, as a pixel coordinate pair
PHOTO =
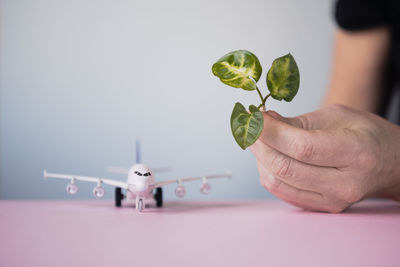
(205, 188)
(72, 188)
(180, 191)
(98, 191)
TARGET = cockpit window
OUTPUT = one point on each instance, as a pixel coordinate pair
(142, 174)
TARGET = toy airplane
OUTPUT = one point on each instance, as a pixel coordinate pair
(140, 185)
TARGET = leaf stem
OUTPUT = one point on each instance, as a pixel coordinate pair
(261, 96)
(263, 101)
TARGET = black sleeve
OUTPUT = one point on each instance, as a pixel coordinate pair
(362, 14)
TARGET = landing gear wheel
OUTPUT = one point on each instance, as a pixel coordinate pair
(140, 205)
(118, 196)
(158, 197)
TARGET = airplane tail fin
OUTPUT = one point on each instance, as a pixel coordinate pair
(138, 152)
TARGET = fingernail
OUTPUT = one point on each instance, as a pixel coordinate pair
(274, 114)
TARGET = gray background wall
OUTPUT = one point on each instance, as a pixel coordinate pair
(82, 79)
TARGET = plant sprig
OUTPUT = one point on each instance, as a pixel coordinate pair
(242, 69)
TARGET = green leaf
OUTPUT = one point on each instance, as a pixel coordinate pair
(246, 127)
(283, 78)
(235, 68)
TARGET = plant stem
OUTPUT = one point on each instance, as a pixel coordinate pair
(265, 99)
(261, 96)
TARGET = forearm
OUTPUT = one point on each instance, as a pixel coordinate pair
(358, 60)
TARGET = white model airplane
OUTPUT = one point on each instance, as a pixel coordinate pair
(139, 185)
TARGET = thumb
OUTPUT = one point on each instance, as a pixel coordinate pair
(296, 122)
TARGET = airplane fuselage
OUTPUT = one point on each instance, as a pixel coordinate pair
(140, 182)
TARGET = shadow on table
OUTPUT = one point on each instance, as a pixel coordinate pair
(366, 207)
(383, 207)
(174, 207)
(177, 206)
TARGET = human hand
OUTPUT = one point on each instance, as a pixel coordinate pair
(329, 159)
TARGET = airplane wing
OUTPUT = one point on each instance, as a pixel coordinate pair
(188, 179)
(125, 171)
(85, 178)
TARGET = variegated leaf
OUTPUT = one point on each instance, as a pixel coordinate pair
(246, 127)
(236, 68)
(283, 78)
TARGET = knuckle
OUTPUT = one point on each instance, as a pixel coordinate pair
(338, 108)
(303, 122)
(336, 208)
(369, 160)
(335, 205)
(274, 186)
(303, 149)
(282, 166)
(352, 194)
(271, 183)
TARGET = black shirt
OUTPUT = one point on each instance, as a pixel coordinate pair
(356, 15)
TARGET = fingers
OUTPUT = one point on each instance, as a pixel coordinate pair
(294, 172)
(300, 198)
(324, 118)
(330, 148)
(295, 121)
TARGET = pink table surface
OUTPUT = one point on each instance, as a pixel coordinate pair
(256, 233)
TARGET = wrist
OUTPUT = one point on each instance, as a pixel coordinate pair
(391, 170)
